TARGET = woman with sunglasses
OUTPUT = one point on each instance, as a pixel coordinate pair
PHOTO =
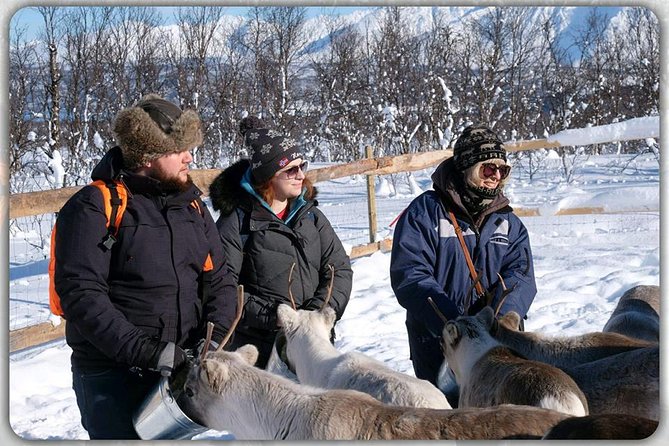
(429, 260)
(273, 231)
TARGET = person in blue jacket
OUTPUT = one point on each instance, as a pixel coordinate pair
(428, 260)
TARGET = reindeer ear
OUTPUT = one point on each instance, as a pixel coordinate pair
(510, 320)
(330, 316)
(217, 374)
(450, 333)
(487, 316)
(286, 316)
(249, 353)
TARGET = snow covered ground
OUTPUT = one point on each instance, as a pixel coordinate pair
(583, 265)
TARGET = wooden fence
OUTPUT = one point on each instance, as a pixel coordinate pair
(42, 202)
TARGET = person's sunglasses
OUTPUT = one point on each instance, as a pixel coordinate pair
(292, 172)
(489, 170)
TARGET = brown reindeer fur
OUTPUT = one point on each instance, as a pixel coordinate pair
(490, 374)
(603, 427)
(626, 383)
(562, 351)
(637, 314)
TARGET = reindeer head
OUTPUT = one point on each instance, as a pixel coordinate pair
(305, 322)
(466, 336)
(209, 382)
(303, 327)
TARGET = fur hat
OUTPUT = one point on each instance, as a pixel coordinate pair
(271, 150)
(154, 127)
(477, 143)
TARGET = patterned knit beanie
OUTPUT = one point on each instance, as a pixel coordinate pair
(154, 127)
(271, 150)
(477, 143)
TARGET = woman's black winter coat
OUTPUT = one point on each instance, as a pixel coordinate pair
(260, 249)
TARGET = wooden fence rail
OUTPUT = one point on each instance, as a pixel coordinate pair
(43, 202)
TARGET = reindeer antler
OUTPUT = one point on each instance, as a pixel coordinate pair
(290, 287)
(240, 309)
(505, 293)
(330, 286)
(207, 340)
(437, 310)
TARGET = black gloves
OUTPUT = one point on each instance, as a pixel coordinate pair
(163, 357)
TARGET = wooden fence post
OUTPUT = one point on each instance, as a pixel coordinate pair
(371, 198)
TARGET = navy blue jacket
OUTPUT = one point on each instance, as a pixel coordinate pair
(427, 259)
(146, 286)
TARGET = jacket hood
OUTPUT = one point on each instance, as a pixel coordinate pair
(110, 166)
(226, 191)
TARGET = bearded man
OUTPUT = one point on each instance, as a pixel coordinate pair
(138, 298)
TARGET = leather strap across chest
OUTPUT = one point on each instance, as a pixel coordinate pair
(472, 271)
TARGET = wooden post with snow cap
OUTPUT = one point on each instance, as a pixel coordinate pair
(371, 198)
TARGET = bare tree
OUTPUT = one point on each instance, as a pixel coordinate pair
(287, 40)
(395, 84)
(85, 86)
(52, 35)
(23, 114)
(198, 28)
(339, 93)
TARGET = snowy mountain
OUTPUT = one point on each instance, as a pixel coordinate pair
(417, 20)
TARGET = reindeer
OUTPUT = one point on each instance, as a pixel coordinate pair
(318, 363)
(617, 374)
(309, 353)
(637, 314)
(602, 427)
(561, 351)
(225, 392)
(489, 373)
(627, 383)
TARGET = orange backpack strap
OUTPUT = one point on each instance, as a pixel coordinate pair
(54, 299)
(204, 281)
(115, 199)
(208, 262)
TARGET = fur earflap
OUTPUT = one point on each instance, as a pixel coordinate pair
(155, 127)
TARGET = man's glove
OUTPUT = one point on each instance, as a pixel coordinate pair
(163, 357)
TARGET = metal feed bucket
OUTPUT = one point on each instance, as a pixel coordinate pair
(160, 418)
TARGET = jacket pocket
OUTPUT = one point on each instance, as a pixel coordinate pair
(151, 325)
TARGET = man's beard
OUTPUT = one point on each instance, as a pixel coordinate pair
(172, 183)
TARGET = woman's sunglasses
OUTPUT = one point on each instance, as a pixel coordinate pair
(292, 172)
(489, 170)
